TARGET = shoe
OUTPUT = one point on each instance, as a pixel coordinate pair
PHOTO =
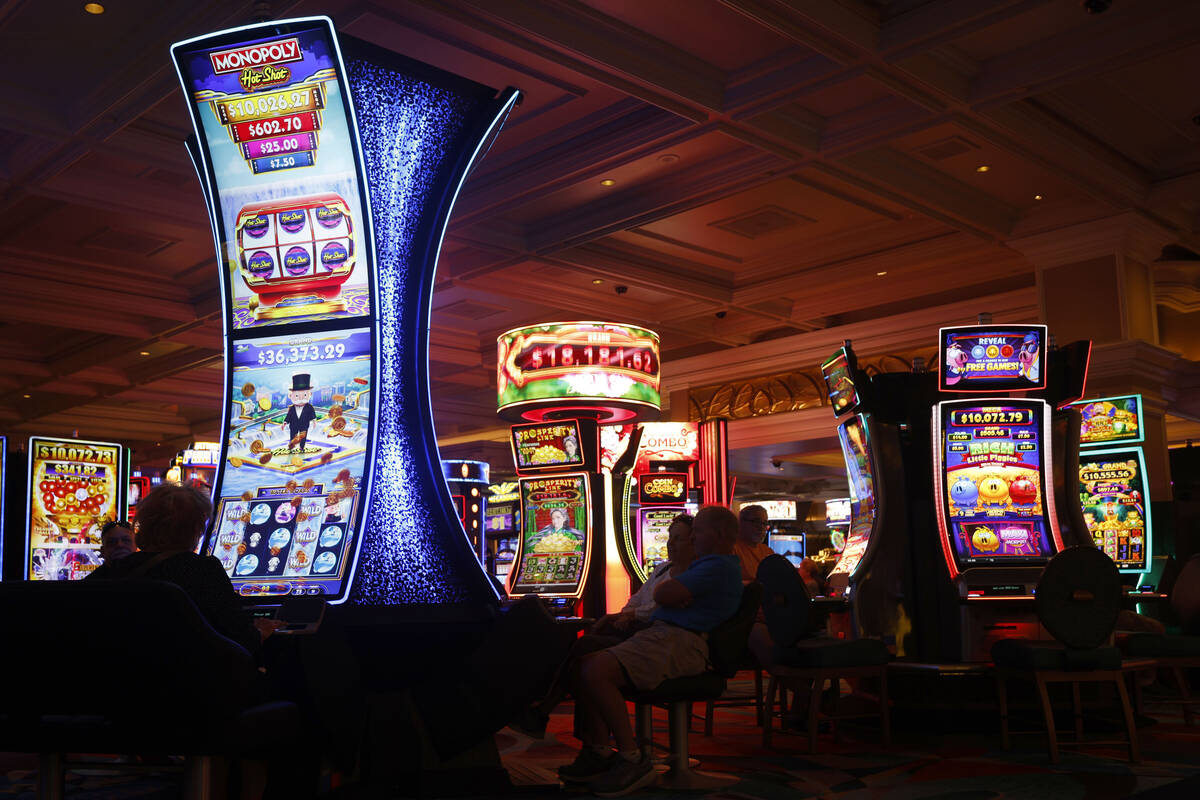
(587, 766)
(530, 722)
(624, 777)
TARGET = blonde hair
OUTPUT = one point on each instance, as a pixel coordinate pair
(171, 518)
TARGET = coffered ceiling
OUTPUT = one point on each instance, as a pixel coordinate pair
(749, 170)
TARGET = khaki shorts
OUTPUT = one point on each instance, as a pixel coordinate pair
(659, 652)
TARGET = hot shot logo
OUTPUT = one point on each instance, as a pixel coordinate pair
(256, 55)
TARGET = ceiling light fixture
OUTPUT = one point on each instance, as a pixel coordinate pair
(144, 353)
(27, 396)
(93, 8)
(1037, 197)
(881, 274)
(597, 281)
(982, 168)
(608, 182)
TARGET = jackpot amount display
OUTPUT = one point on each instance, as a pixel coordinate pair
(554, 513)
(993, 480)
(74, 492)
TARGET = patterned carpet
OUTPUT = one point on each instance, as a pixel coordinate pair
(933, 757)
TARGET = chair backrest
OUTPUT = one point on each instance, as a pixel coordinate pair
(727, 642)
(1185, 596)
(116, 648)
(1079, 596)
(785, 601)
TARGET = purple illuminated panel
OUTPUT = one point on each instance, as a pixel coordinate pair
(994, 358)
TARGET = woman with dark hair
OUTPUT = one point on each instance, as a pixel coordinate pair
(170, 523)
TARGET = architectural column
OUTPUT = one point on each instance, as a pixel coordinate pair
(1095, 280)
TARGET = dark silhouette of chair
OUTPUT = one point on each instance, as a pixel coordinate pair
(1077, 600)
(128, 667)
(805, 660)
(1174, 652)
(726, 650)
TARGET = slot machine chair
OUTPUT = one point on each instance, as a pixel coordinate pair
(1077, 601)
(801, 658)
(187, 690)
(1175, 652)
(726, 650)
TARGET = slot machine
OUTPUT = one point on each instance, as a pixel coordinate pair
(330, 167)
(468, 483)
(663, 482)
(197, 465)
(75, 487)
(786, 535)
(560, 382)
(502, 523)
(995, 466)
(837, 521)
(866, 573)
(1114, 493)
(139, 487)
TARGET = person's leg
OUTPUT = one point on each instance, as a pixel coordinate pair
(600, 691)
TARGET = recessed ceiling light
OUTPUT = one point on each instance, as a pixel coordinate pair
(982, 168)
(27, 396)
(881, 274)
(144, 353)
(93, 8)
(597, 281)
(1037, 197)
(608, 182)
(668, 158)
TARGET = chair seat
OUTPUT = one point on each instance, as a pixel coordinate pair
(1157, 645)
(692, 688)
(813, 653)
(1052, 656)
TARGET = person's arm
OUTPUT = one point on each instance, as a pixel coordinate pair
(671, 593)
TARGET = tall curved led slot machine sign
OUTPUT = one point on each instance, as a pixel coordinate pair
(559, 381)
(330, 180)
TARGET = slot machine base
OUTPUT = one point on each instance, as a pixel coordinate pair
(986, 621)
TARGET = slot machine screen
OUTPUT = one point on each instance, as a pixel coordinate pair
(1111, 420)
(280, 152)
(992, 482)
(548, 445)
(837, 511)
(75, 488)
(290, 492)
(860, 470)
(992, 358)
(788, 545)
(556, 526)
(838, 373)
(1116, 504)
(653, 527)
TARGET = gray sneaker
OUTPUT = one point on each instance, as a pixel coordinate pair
(624, 777)
(587, 766)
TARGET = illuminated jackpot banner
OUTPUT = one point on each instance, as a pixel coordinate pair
(1111, 419)
(837, 512)
(289, 138)
(663, 489)
(992, 358)
(552, 555)
(74, 488)
(569, 366)
(991, 470)
(1116, 504)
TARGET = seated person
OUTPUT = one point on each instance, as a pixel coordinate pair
(638, 609)
(612, 628)
(116, 540)
(810, 573)
(170, 523)
(690, 605)
(749, 548)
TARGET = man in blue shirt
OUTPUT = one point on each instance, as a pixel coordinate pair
(675, 645)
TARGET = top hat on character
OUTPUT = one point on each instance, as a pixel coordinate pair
(300, 382)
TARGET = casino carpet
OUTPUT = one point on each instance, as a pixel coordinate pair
(926, 762)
